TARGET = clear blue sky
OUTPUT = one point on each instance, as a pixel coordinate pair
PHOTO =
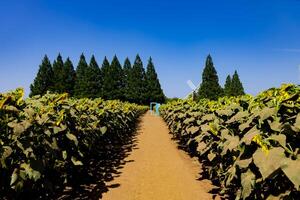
(259, 38)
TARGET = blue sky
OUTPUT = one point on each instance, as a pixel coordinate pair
(258, 38)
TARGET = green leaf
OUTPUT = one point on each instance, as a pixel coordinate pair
(103, 129)
(193, 129)
(14, 177)
(205, 128)
(291, 168)
(7, 152)
(297, 123)
(211, 156)
(247, 139)
(245, 125)
(270, 162)
(227, 112)
(231, 143)
(72, 137)
(276, 125)
(201, 146)
(243, 163)
(64, 155)
(75, 161)
(281, 139)
(189, 120)
(238, 117)
(247, 181)
(267, 112)
(17, 127)
(231, 173)
(57, 129)
(208, 117)
(31, 173)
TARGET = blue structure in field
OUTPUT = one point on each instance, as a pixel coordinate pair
(154, 108)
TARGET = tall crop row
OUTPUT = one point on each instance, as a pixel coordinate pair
(249, 146)
(47, 141)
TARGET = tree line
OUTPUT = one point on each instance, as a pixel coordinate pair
(210, 87)
(110, 81)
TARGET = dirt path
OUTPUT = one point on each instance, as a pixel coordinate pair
(157, 169)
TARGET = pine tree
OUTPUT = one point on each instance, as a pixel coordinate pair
(127, 77)
(154, 92)
(58, 75)
(93, 78)
(137, 83)
(44, 78)
(237, 86)
(69, 77)
(210, 87)
(113, 80)
(228, 87)
(105, 79)
(80, 88)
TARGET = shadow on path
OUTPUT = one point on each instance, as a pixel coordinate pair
(101, 170)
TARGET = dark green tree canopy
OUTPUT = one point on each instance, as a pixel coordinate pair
(236, 85)
(228, 87)
(105, 66)
(127, 65)
(69, 77)
(127, 70)
(210, 87)
(80, 88)
(43, 80)
(94, 79)
(113, 79)
(58, 75)
(106, 79)
(137, 83)
(154, 92)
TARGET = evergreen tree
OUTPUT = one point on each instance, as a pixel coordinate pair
(154, 92)
(210, 87)
(137, 82)
(105, 79)
(127, 77)
(228, 87)
(113, 80)
(58, 75)
(93, 78)
(69, 77)
(236, 85)
(80, 88)
(43, 80)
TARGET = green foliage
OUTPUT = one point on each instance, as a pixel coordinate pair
(236, 85)
(228, 87)
(69, 77)
(81, 83)
(88, 79)
(249, 146)
(113, 79)
(58, 75)
(44, 78)
(45, 142)
(94, 79)
(153, 92)
(210, 88)
(127, 69)
(137, 82)
(105, 69)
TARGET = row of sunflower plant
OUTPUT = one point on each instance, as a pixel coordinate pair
(248, 146)
(45, 141)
